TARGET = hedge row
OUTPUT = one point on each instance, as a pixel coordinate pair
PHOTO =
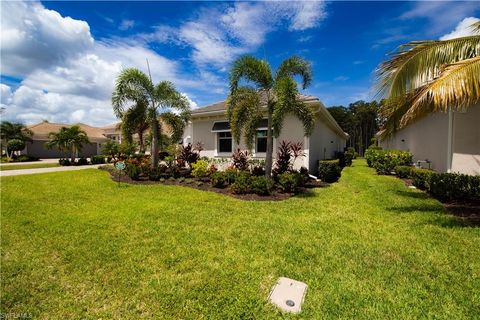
(329, 170)
(443, 186)
(385, 161)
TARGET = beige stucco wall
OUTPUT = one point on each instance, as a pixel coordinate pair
(428, 139)
(200, 130)
(466, 141)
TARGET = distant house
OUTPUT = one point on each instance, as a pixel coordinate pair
(209, 125)
(450, 142)
(40, 137)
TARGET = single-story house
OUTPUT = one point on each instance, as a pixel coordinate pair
(209, 125)
(40, 138)
(448, 142)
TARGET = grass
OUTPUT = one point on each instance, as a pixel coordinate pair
(29, 166)
(75, 245)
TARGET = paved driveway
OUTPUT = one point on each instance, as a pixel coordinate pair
(7, 173)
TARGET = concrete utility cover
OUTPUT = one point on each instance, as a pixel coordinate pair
(288, 294)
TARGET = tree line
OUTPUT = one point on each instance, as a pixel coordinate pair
(360, 120)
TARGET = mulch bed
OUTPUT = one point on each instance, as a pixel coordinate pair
(206, 186)
(469, 211)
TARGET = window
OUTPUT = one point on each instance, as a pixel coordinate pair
(224, 142)
(261, 142)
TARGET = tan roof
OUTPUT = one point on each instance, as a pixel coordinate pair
(221, 105)
(42, 129)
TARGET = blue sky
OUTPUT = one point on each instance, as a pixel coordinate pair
(60, 59)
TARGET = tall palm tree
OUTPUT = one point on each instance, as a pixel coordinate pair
(68, 139)
(428, 76)
(277, 91)
(133, 85)
(135, 121)
(14, 130)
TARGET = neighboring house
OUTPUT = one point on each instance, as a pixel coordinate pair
(40, 138)
(113, 131)
(209, 125)
(449, 141)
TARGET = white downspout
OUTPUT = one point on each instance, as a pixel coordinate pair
(450, 140)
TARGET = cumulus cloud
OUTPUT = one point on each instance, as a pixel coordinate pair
(34, 38)
(238, 29)
(67, 86)
(463, 29)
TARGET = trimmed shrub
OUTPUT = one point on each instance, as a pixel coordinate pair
(290, 182)
(385, 161)
(24, 158)
(98, 159)
(350, 154)
(64, 162)
(158, 173)
(231, 175)
(133, 171)
(200, 169)
(403, 171)
(242, 184)
(371, 154)
(218, 179)
(82, 162)
(258, 171)
(329, 170)
(262, 185)
(341, 158)
(421, 178)
(454, 186)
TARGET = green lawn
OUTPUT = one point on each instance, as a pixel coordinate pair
(29, 166)
(75, 245)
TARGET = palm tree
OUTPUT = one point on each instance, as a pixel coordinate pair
(14, 130)
(68, 139)
(278, 92)
(429, 76)
(133, 85)
(135, 121)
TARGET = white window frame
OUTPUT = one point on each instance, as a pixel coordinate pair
(217, 144)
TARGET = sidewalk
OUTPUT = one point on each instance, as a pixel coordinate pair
(46, 170)
(28, 162)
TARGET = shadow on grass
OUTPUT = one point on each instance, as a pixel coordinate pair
(308, 193)
(411, 194)
(442, 217)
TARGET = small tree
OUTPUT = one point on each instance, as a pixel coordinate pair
(15, 145)
(68, 139)
(110, 149)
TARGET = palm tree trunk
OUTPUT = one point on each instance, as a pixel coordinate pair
(141, 142)
(269, 155)
(72, 155)
(155, 142)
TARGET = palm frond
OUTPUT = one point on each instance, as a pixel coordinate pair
(476, 27)
(457, 87)
(287, 102)
(167, 97)
(252, 70)
(177, 124)
(243, 111)
(131, 85)
(418, 62)
(296, 66)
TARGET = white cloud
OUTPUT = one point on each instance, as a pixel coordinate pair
(219, 36)
(441, 15)
(463, 29)
(69, 88)
(33, 37)
(126, 24)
